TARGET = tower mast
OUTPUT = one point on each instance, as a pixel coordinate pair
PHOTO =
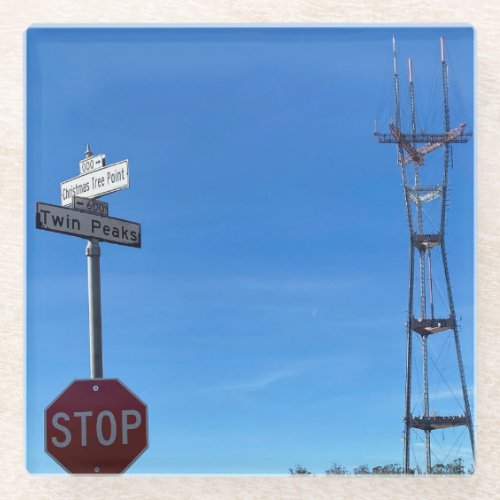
(422, 252)
(447, 146)
(407, 418)
(415, 196)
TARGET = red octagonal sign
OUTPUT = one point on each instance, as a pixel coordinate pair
(96, 426)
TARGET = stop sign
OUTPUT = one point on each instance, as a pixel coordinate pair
(96, 426)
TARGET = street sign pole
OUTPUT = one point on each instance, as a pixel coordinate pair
(93, 253)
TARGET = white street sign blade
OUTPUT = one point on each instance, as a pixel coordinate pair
(87, 225)
(91, 164)
(96, 183)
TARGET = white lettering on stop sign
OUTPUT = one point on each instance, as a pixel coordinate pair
(83, 416)
(112, 422)
(57, 425)
(126, 426)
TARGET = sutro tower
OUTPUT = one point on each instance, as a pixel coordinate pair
(427, 258)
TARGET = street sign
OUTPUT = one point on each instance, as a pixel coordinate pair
(93, 163)
(96, 426)
(96, 183)
(90, 205)
(87, 225)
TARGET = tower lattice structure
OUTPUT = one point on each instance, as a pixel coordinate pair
(423, 320)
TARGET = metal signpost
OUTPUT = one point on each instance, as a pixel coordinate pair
(97, 405)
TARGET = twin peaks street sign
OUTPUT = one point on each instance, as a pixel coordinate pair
(87, 225)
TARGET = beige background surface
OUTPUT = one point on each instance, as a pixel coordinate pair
(16, 16)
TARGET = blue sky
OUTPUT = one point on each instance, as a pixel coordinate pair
(262, 321)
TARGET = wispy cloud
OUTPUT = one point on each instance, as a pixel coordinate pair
(271, 377)
(262, 382)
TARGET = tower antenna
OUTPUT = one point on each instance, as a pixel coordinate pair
(423, 240)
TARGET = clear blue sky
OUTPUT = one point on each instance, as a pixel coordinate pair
(262, 321)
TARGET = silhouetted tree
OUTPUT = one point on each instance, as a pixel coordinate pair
(336, 469)
(416, 470)
(388, 469)
(455, 467)
(438, 469)
(298, 469)
(361, 469)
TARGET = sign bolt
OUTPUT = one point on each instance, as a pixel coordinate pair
(97, 469)
(95, 388)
